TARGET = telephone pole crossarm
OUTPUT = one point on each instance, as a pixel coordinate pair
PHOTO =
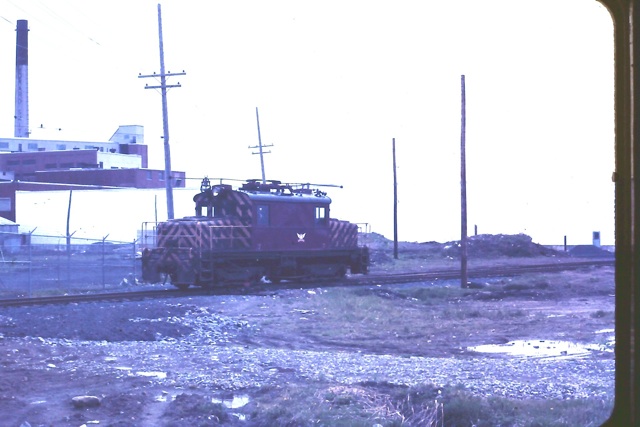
(261, 151)
(169, 74)
(162, 86)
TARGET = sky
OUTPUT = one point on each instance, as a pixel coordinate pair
(335, 82)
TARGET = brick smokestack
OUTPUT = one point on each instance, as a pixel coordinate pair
(21, 126)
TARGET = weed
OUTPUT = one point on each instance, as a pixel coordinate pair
(196, 408)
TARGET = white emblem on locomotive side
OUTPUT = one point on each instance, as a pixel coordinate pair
(301, 237)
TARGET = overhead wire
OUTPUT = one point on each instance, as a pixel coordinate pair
(55, 15)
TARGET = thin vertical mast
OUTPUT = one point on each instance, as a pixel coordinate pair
(463, 188)
(395, 203)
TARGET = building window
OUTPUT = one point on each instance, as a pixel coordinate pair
(263, 215)
(50, 166)
(29, 162)
(32, 146)
(66, 165)
(13, 162)
(4, 145)
(61, 146)
(161, 176)
(149, 175)
(5, 204)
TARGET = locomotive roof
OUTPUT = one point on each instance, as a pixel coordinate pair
(287, 197)
(271, 191)
(276, 191)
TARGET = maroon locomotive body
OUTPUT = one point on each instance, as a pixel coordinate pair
(261, 231)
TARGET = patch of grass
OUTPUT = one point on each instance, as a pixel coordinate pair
(434, 294)
(370, 403)
(197, 410)
(362, 308)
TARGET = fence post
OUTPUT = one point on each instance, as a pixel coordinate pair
(30, 262)
(59, 252)
(69, 236)
(134, 261)
(104, 281)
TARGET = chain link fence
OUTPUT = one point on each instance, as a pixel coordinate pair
(39, 265)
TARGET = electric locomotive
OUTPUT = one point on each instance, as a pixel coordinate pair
(261, 231)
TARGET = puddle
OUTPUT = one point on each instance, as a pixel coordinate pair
(542, 348)
(165, 397)
(235, 403)
(160, 375)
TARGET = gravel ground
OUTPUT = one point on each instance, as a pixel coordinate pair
(142, 351)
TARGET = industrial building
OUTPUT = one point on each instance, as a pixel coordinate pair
(38, 165)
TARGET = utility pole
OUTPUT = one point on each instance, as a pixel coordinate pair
(260, 148)
(395, 203)
(165, 115)
(463, 189)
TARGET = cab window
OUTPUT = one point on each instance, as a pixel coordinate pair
(263, 215)
(321, 215)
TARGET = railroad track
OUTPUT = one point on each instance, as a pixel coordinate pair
(391, 278)
(479, 272)
(78, 298)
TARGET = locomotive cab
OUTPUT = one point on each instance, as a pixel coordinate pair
(289, 220)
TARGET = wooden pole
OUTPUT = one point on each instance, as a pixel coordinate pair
(165, 122)
(463, 190)
(261, 148)
(395, 203)
(264, 180)
(165, 114)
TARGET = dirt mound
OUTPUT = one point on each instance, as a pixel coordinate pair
(499, 245)
(480, 246)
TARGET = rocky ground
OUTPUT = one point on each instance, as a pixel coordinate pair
(214, 360)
